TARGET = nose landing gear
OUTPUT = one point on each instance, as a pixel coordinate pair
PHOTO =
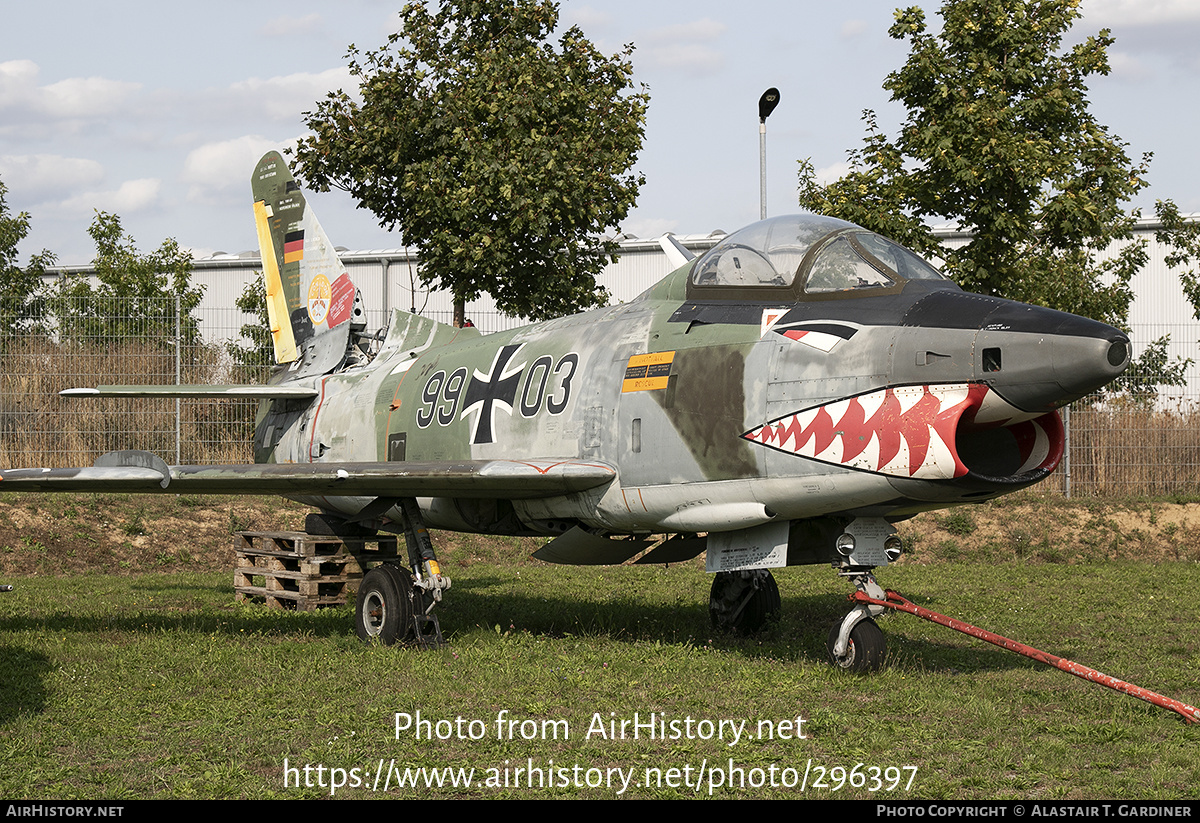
(856, 643)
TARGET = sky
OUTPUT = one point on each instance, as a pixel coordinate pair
(158, 111)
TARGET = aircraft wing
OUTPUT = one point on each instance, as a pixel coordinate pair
(230, 391)
(133, 471)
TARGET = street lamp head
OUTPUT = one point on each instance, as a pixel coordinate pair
(767, 103)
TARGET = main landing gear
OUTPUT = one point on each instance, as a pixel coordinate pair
(743, 602)
(395, 605)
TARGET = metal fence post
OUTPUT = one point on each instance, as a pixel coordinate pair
(178, 378)
(1067, 450)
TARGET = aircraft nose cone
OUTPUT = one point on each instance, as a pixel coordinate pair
(1037, 359)
(1040, 359)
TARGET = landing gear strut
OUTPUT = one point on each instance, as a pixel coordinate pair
(856, 643)
(743, 602)
(396, 605)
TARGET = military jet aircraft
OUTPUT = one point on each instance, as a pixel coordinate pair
(781, 400)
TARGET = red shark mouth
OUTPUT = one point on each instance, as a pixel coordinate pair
(939, 432)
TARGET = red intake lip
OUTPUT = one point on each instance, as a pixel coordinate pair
(928, 432)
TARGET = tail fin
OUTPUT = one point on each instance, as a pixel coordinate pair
(311, 301)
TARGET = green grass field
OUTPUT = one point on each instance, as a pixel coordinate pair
(159, 685)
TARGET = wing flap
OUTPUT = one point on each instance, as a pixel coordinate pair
(501, 479)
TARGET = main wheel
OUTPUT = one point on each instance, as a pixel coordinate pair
(384, 609)
(866, 649)
(743, 602)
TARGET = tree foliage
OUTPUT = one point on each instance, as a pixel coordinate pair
(1000, 140)
(501, 157)
(256, 355)
(138, 295)
(22, 294)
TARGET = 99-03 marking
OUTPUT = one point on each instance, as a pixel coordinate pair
(544, 383)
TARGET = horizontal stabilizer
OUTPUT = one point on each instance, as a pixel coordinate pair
(233, 391)
(677, 253)
(499, 479)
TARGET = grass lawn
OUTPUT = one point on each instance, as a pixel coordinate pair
(159, 685)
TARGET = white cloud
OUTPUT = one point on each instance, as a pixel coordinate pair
(853, 28)
(704, 29)
(831, 174)
(284, 97)
(86, 97)
(131, 197)
(1127, 67)
(1140, 12)
(687, 56)
(688, 46)
(18, 79)
(46, 176)
(650, 227)
(292, 26)
(75, 98)
(586, 18)
(216, 168)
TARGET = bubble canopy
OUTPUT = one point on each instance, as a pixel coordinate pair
(805, 257)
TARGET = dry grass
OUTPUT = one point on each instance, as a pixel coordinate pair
(1134, 451)
(38, 428)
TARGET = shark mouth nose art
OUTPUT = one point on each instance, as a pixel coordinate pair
(937, 432)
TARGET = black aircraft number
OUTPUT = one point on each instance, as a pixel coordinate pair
(545, 384)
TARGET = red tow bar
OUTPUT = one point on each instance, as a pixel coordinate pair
(895, 601)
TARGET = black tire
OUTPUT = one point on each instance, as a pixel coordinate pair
(866, 650)
(728, 590)
(383, 612)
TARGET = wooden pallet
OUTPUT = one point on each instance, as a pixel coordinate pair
(304, 572)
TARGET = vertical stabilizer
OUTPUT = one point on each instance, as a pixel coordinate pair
(311, 301)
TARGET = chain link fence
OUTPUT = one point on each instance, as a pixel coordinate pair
(38, 428)
(1135, 443)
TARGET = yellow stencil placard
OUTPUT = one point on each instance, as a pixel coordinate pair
(645, 372)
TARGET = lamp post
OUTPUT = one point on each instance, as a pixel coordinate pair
(766, 105)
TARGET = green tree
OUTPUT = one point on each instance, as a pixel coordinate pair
(999, 139)
(499, 156)
(137, 295)
(255, 357)
(22, 294)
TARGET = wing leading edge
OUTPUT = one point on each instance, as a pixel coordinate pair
(133, 471)
(233, 391)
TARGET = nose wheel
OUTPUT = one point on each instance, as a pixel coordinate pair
(866, 647)
(856, 643)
